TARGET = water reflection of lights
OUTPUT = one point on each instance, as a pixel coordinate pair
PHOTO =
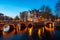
(30, 31)
(39, 32)
(51, 27)
(43, 29)
(8, 34)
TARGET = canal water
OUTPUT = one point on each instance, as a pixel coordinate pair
(36, 35)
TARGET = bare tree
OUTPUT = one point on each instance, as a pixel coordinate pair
(58, 8)
(16, 18)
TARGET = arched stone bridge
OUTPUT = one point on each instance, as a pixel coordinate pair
(17, 26)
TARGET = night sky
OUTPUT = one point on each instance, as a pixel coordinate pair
(14, 7)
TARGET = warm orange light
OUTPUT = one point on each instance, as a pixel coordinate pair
(16, 28)
(49, 29)
(36, 20)
(43, 29)
(53, 25)
(50, 25)
(30, 19)
(8, 34)
(39, 32)
(30, 31)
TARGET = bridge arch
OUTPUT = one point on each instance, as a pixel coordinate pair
(30, 28)
(8, 29)
(49, 26)
(21, 27)
(30, 24)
